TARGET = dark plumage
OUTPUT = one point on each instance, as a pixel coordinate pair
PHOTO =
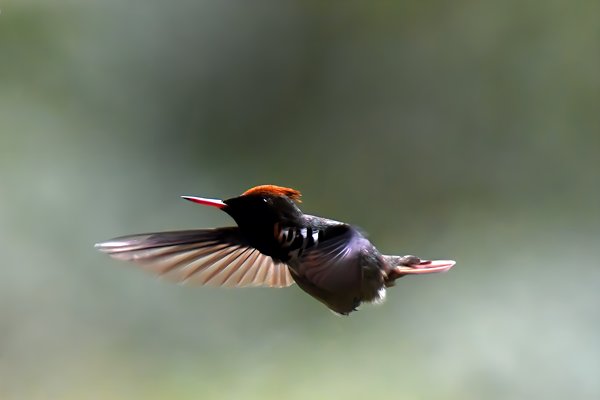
(274, 245)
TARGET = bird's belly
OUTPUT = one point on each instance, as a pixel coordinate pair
(342, 287)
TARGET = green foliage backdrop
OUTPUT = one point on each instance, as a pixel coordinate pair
(465, 130)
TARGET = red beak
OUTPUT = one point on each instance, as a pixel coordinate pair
(205, 202)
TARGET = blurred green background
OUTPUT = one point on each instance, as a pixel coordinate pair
(465, 130)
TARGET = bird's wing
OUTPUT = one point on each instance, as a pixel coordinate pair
(333, 262)
(214, 257)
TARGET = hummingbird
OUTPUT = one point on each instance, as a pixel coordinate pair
(274, 244)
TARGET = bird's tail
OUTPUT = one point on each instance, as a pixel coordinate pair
(410, 265)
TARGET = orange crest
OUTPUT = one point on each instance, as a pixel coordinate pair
(274, 191)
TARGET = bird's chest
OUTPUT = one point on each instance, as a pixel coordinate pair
(292, 242)
(280, 243)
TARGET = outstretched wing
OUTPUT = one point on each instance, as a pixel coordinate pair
(214, 257)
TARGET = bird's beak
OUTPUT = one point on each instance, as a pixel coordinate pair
(425, 267)
(206, 202)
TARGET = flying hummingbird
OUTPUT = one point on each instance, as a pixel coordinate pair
(274, 244)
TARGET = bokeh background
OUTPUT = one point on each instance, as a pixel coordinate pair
(466, 130)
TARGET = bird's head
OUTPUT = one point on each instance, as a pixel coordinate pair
(260, 205)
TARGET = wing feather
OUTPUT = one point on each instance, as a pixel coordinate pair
(244, 274)
(213, 257)
(334, 263)
(234, 266)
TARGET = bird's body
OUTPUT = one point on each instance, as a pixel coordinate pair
(274, 245)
